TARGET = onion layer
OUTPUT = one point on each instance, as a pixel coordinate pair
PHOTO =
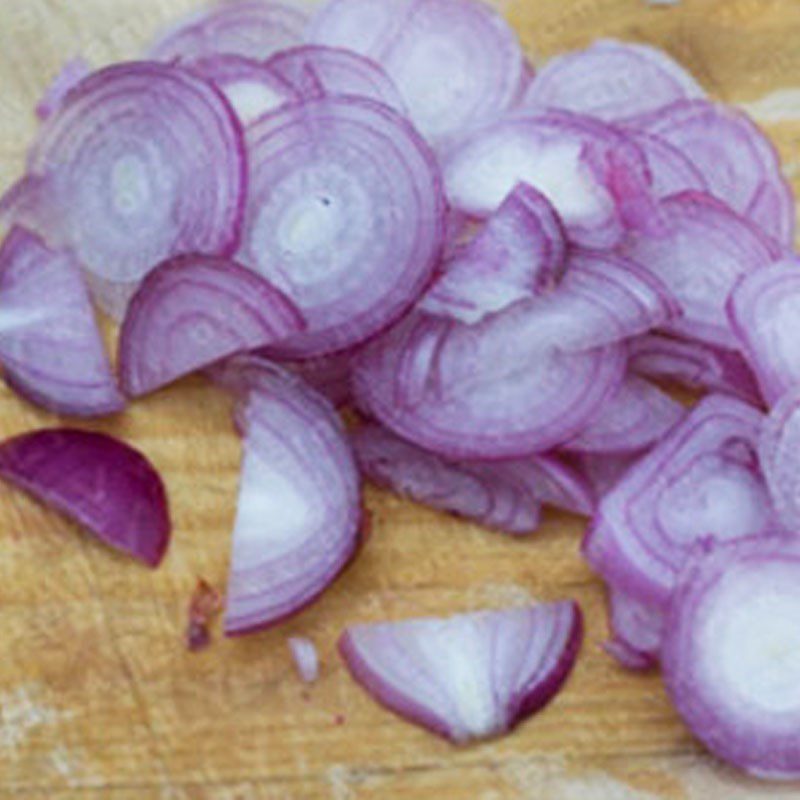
(779, 449)
(637, 631)
(472, 676)
(305, 657)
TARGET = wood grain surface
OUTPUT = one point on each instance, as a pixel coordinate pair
(99, 698)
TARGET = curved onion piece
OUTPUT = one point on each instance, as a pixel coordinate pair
(314, 71)
(99, 482)
(142, 161)
(71, 74)
(455, 62)
(521, 252)
(779, 450)
(764, 311)
(500, 389)
(730, 654)
(702, 482)
(693, 364)
(471, 676)
(672, 172)
(637, 417)
(250, 28)
(602, 471)
(739, 163)
(701, 256)
(346, 216)
(594, 176)
(250, 87)
(193, 311)
(299, 514)
(50, 347)
(305, 657)
(637, 631)
(612, 81)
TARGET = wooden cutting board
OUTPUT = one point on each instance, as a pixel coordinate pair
(99, 698)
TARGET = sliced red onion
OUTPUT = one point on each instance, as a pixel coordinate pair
(637, 631)
(99, 482)
(252, 88)
(764, 312)
(314, 71)
(305, 657)
(779, 450)
(703, 482)
(521, 252)
(455, 62)
(142, 161)
(602, 471)
(206, 603)
(739, 163)
(693, 364)
(193, 311)
(299, 514)
(472, 676)
(672, 171)
(500, 389)
(71, 74)
(51, 349)
(251, 28)
(595, 177)
(611, 80)
(346, 216)
(637, 417)
(730, 654)
(700, 256)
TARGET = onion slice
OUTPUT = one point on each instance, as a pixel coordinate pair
(472, 676)
(250, 28)
(469, 48)
(346, 216)
(764, 311)
(612, 81)
(313, 71)
(703, 482)
(70, 75)
(99, 482)
(193, 311)
(637, 632)
(602, 471)
(521, 252)
(305, 657)
(50, 346)
(779, 448)
(299, 512)
(672, 172)
(730, 654)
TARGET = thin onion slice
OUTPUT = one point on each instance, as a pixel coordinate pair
(471, 676)
(305, 657)
(193, 311)
(612, 81)
(764, 311)
(779, 448)
(314, 71)
(595, 177)
(521, 252)
(299, 512)
(250, 28)
(638, 417)
(636, 632)
(99, 482)
(51, 349)
(141, 162)
(730, 654)
(701, 256)
(694, 365)
(703, 482)
(346, 216)
(455, 62)
(70, 75)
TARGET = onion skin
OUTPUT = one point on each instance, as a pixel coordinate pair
(99, 482)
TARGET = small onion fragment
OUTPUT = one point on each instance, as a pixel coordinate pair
(99, 482)
(611, 80)
(299, 512)
(471, 676)
(730, 654)
(51, 349)
(313, 71)
(71, 74)
(764, 311)
(637, 631)
(346, 216)
(779, 449)
(521, 252)
(305, 657)
(193, 311)
(702, 483)
(455, 62)
(250, 28)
